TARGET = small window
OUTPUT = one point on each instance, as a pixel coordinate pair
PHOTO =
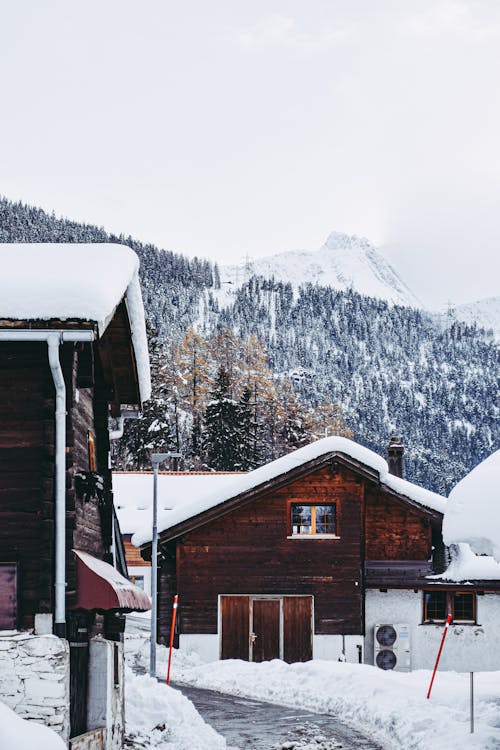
(308, 520)
(138, 581)
(464, 607)
(461, 605)
(435, 606)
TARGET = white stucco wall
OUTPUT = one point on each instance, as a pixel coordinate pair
(105, 706)
(330, 647)
(205, 645)
(34, 678)
(467, 647)
(327, 647)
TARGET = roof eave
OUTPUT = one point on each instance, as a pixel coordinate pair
(243, 498)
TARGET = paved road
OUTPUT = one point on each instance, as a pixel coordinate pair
(251, 725)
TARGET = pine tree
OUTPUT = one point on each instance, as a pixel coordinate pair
(221, 439)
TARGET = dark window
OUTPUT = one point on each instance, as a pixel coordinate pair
(435, 606)
(464, 607)
(461, 605)
(313, 519)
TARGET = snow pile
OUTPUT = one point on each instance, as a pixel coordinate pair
(466, 566)
(473, 509)
(390, 707)
(343, 262)
(66, 281)
(245, 482)
(18, 734)
(160, 717)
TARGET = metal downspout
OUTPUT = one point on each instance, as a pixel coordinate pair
(53, 342)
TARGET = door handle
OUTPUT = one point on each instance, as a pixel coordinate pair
(252, 637)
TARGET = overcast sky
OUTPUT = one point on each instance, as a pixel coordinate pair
(233, 127)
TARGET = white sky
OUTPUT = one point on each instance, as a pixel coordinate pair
(232, 127)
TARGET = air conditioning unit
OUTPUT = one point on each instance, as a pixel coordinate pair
(392, 647)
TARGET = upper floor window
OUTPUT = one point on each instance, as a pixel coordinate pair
(461, 605)
(308, 520)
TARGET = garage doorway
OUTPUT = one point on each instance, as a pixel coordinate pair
(260, 628)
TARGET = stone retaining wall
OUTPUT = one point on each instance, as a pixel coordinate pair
(34, 678)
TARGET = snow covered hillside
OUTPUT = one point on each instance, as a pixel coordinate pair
(343, 262)
(485, 313)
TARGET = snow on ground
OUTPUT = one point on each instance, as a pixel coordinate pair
(19, 734)
(473, 509)
(390, 707)
(160, 717)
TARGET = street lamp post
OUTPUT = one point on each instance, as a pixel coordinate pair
(156, 460)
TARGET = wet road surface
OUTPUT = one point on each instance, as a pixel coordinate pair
(251, 725)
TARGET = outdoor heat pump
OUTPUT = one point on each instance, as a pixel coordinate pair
(392, 647)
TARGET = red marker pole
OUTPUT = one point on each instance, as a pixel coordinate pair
(172, 631)
(447, 625)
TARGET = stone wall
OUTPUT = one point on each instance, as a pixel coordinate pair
(34, 678)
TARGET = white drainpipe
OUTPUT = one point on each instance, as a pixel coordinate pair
(54, 339)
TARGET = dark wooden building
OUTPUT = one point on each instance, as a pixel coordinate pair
(279, 566)
(73, 355)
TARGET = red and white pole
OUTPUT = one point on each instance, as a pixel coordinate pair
(172, 631)
(446, 626)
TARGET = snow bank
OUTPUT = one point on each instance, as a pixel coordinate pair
(473, 509)
(19, 734)
(390, 707)
(245, 482)
(466, 566)
(66, 281)
(161, 717)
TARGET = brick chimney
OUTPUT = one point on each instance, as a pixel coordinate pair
(395, 452)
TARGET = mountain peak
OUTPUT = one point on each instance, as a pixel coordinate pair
(341, 241)
(344, 262)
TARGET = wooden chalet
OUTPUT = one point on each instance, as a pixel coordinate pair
(73, 353)
(305, 558)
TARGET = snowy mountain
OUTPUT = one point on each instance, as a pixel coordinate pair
(485, 313)
(390, 368)
(343, 262)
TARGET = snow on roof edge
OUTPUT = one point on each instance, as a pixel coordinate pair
(137, 319)
(466, 566)
(76, 281)
(285, 464)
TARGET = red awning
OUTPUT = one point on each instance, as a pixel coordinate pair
(100, 586)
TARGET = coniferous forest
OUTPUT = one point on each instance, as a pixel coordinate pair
(238, 384)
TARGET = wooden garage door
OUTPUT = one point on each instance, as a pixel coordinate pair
(235, 627)
(266, 629)
(297, 628)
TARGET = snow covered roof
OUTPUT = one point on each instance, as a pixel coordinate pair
(473, 510)
(209, 498)
(465, 566)
(133, 493)
(66, 281)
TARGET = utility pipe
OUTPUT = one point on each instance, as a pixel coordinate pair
(54, 338)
